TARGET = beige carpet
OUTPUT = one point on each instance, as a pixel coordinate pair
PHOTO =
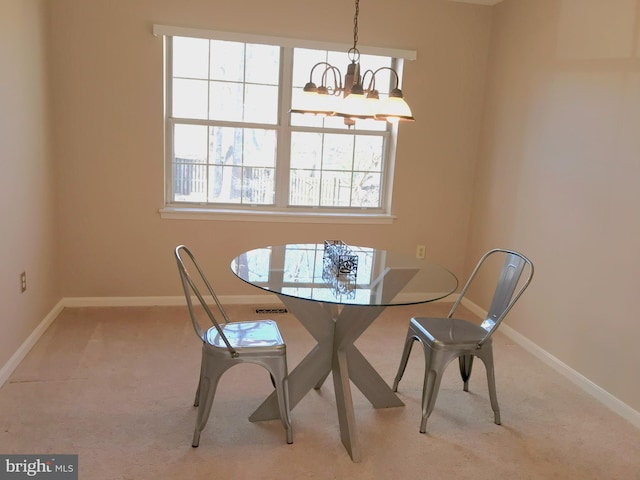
(116, 385)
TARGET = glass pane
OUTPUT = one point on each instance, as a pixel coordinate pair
(338, 152)
(190, 143)
(368, 153)
(379, 125)
(263, 64)
(259, 147)
(226, 101)
(329, 183)
(261, 104)
(309, 120)
(336, 122)
(336, 189)
(366, 189)
(303, 61)
(189, 182)
(225, 146)
(304, 188)
(259, 186)
(306, 150)
(189, 99)
(341, 60)
(373, 63)
(304, 120)
(226, 184)
(190, 57)
(243, 165)
(227, 61)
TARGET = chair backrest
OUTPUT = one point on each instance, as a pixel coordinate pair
(190, 284)
(509, 287)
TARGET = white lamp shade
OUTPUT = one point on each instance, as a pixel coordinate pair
(355, 106)
(394, 108)
(314, 103)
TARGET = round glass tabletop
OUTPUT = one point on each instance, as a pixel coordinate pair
(346, 275)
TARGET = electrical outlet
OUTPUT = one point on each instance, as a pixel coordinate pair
(23, 282)
(420, 251)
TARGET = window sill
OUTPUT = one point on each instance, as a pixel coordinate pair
(174, 213)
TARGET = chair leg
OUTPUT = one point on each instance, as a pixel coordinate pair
(404, 359)
(283, 405)
(432, 379)
(196, 401)
(208, 385)
(487, 359)
(204, 409)
(466, 364)
(277, 368)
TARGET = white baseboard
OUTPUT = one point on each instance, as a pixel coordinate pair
(604, 397)
(74, 302)
(8, 368)
(267, 299)
(613, 403)
(578, 379)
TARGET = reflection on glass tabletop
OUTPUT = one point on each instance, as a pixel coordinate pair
(376, 278)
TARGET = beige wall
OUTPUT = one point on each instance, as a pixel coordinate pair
(26, 176)
(558, 177)
(107, 78)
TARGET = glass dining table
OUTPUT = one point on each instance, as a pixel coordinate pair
(336, 301)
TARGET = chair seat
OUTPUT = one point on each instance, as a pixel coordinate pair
(443, 333)
(253, 334)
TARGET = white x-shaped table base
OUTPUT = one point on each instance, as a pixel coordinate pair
(335, 328)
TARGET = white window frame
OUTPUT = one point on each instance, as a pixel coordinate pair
(383, 215)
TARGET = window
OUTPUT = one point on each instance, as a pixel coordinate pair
(232, 146)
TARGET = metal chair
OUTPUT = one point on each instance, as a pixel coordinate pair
(231, 343)
(445, 339)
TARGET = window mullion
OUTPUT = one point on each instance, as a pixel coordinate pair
(283, 156)
(243, 193)
(207, 167)
(322, 171)
(169, 125)
(353, 171)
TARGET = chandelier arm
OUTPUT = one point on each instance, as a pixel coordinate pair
(327, 65)
(372, 82)
(391, 70)
(337, 81)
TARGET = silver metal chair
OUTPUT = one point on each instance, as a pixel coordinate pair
(445, 339)
(231, 343)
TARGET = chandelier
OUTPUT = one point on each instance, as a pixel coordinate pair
(350, 99)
